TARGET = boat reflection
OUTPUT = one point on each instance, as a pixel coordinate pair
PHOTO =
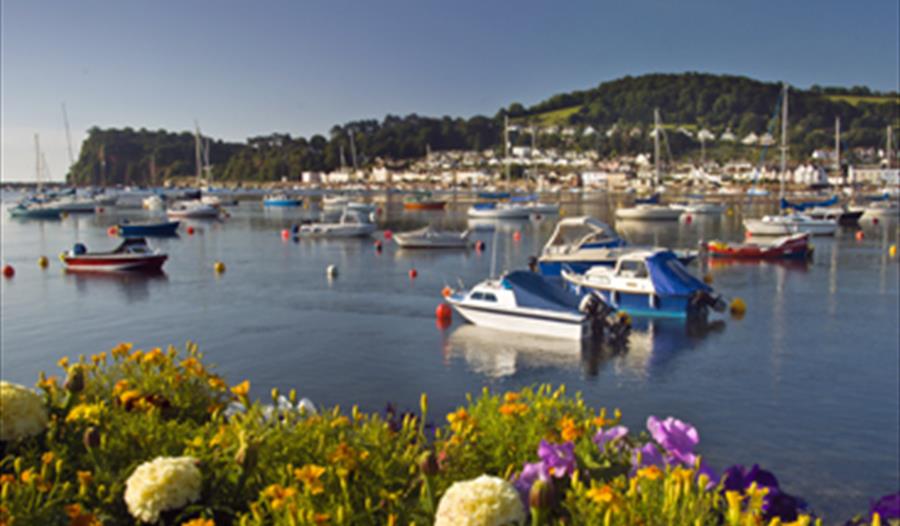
(502, 225)
(134, 286)
(654, 343)
(801, 265)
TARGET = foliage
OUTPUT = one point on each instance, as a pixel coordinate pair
(152, 422)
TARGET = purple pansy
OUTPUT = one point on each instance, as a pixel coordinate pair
(888, 507)
(676, 437)
(531, 473)
(776, 503)
(647, 455)
(609, 435)
(559, 459)
(706, 469)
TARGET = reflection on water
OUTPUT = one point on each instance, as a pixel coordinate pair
(654, 343)
(133, 286)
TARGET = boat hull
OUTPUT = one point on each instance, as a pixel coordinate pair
(425, 205)
(282, 202)
(534, 324)
(649, 214)
(159, 230)
(794, 248)
(758, 227)
(336, 231)
(112, 263)
(499, 213)
(39, 213)
(193, 214)
(550, 266)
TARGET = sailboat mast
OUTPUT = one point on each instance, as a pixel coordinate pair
(506, 148)
(889, 154)
(68, 134)
(197, 154)
(656, 147)
(837, 145)
(784, 147)
(37, 163)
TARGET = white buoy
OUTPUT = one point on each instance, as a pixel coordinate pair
(331, 271)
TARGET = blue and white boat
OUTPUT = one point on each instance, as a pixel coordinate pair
(580, 243)
(164, 229)
(649, 283)
(281, 199)
(493, 210)
(527, 303)
(31, 209)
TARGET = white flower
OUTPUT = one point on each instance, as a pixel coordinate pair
(485, 501)
(22, 412)
(165, 483)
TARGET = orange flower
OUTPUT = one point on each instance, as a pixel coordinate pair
(514, 408)
(85, 478)
(242, 389)
(155, 356)
(199, 522)
(649, 473)
(602, 495)
(77, 516)
(310, 476)
(278, 494)
(120, 387)
(193, 365)
(344, 456)
(7, 478)
(47, 457)
(568, 430)
(217, 383)
(49, 384)
(121, 350)
(511, 397)
(129, 398)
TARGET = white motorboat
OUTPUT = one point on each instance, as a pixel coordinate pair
(882, 209)
(429, 238)
(755, 191)
(533, 205)
(154, 202)
(784, 225)
(841, 214)
(74, 205)
(700, 207)
(579, 243)
(527, 303)
(193, 209)
(352, 223)
(649, 212)
(498, 211)
(649, 283)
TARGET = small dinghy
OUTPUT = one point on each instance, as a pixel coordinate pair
(194, 209)
(35, 210)
(423, 201)
(788, 247)
(429, 238)
(134, 254)
(649, 212)
(649, 283)
(164, 229)
(351, 224)
(527, 303)
(498, 211)
(281, 199)
(777, 225)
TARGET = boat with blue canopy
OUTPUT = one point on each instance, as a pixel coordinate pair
(527, 303)
(163, 229)
(649, 283)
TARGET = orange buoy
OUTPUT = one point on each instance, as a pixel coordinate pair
(285, 234)
(446, 291)
(8, 271)
(378, 245)
(860, 235)
(413, 273)
(517, 236)
(113, 230)
(443, 324)
(219, 267)
(388, 234)
(190, 230)
(479, 245)
(443, 312)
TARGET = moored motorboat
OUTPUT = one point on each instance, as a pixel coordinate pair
(352, 223)
(34, 210)
(580, 243)
(193, 209)
(796, 246)
(841, 214)
(649, 212)
(423, 201)
(430, 238)
(700, 207)
(498, 211)
(133, 254)
(163, 229)
(527, 303)
(72, 204)
(154, 202)
(649, 283)
(783, 225)
(281, 199)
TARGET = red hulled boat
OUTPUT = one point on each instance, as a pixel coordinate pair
(134, 254)
(789, 247)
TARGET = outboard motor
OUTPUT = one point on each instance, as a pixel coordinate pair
(533, 266)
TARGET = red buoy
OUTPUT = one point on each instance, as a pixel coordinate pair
(113, 230)
(100, 209)
(443, 312)
(874, 220)
(8, 271)
(860, 235)
(446, 291)
(190, 230)
(378, 244)
(443, 324)
(285, 234)
(688, 219)
(479, 245)
(388, 234)
(517, 236)
(413, 273)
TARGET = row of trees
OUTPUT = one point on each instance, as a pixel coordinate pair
(717, 102)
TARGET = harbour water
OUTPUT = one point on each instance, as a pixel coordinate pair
(806, 384)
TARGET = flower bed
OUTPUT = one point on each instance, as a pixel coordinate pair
(157, 437)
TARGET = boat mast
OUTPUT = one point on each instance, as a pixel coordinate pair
(37, 163)
(889, 154)
(68, 135)
(784, 146)
(656, 147)
(837, 145)
(197, 155)
(506, 149)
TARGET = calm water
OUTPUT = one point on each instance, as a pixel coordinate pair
(806, 384)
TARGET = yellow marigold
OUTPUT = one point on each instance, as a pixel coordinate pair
(77, 516)
(47, 457)
(199, 522)
(217, 383)
(49, 384)
(165, 483)
(155, 356)
(649, 473)
(121, 350)
(602, 495)
(511, 397)
(515, 408)
(344, 456)
(458, 416)
(193, 366)
(310, 476)
(120, 387)
(23, 413)
(63, 362)
(278, 494)
(242, 389)
(136, 356)
(484, 501)
(85, 478)
(130, 397)
(89, 413)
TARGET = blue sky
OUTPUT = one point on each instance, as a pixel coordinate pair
(247, 68)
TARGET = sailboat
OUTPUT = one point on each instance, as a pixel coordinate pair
(650, 209)
(793, 223)
(33, 207)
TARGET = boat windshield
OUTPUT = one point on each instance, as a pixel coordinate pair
(577, 235)
(632, 269)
